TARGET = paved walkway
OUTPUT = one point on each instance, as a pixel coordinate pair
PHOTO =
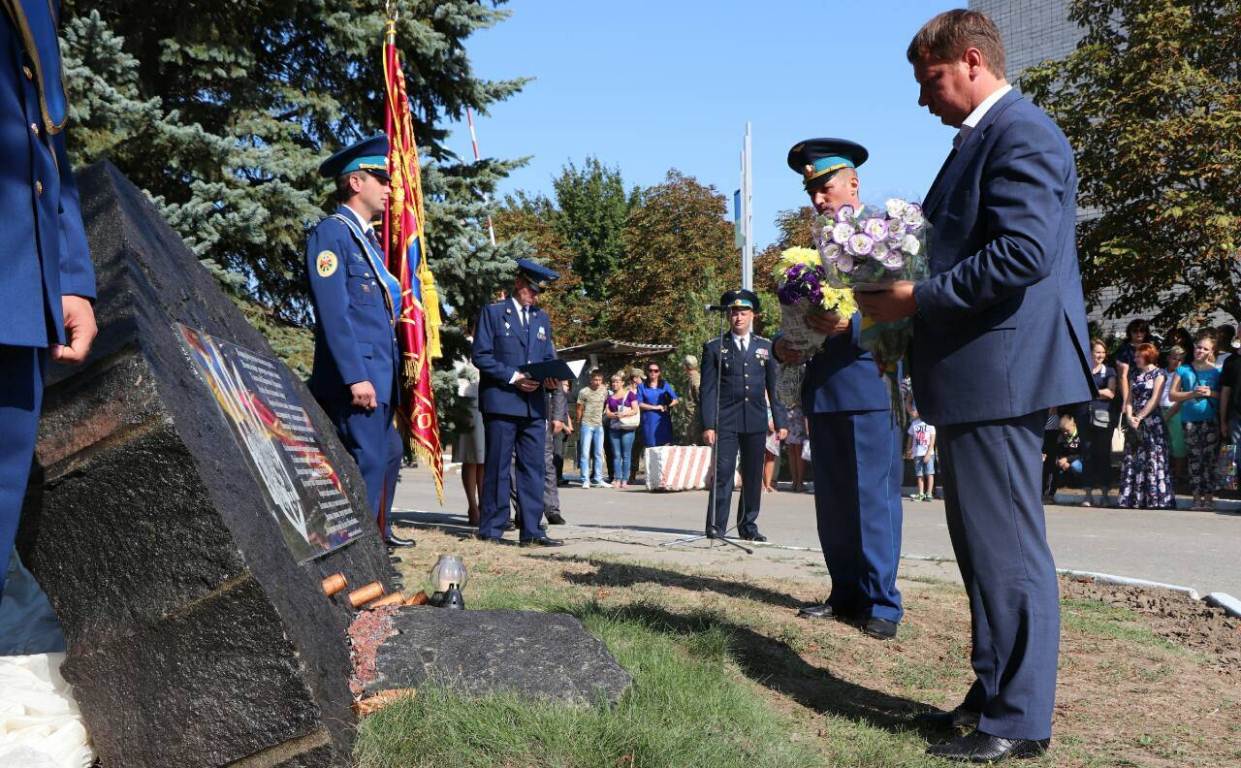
(1201, 550)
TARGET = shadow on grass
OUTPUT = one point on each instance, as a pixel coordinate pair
(772, 664)
(612, 574)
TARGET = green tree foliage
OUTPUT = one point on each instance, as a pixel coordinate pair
(591, 212)
(222, 110)
(679, 257)
(576, 317)
(1151, 102)
(794, 231)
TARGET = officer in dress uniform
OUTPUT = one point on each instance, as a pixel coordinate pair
(738, 385)
(356, 302)
(854, 436)
(512, 333)
(47, 283)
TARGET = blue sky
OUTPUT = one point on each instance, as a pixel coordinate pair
(648, 86)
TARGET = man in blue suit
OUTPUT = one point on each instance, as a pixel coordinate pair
(356, 302)
(999, 336)
(738, 389)
(511, 334)
(47, 282)
(854, 435)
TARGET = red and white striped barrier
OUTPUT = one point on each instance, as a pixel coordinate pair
(679, 468)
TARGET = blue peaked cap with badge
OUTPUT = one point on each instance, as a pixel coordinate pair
(740, 299)
(370, 155)
(536, 274)
(817, 159)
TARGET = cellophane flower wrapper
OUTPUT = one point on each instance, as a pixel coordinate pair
(803, 290)
(868, 249)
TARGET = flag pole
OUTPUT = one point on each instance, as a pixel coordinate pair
(469, 117)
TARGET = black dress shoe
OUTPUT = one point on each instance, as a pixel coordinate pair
(393, 540)
(880, 628)
(824, 611)
(542, 541)
(555, 519)
(756, 536)
(979, 747)
(712, 533)
(958, 719)
(510, 526)
(488, 539)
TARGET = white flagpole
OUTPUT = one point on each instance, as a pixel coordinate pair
(469, 116)
(747, 215)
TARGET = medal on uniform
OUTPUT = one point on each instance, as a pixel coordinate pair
(542, 333)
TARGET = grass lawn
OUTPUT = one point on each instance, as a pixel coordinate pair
(726, 675)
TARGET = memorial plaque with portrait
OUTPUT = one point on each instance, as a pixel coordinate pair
(274, 432)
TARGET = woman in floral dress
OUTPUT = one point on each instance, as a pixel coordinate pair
(1145, 482)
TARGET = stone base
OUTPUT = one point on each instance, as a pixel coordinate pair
(546, 656)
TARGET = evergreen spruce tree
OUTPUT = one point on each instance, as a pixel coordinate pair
(222, 110)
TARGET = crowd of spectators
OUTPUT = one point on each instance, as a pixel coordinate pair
(1175, 400)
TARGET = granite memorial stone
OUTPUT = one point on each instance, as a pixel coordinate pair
(189, 499)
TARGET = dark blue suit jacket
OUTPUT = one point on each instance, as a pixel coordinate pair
(1000, 329)
(501, 346)
(46, 255)
(843, 377)
(746, 384)
(355, 337)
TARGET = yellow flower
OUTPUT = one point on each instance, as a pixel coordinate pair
(791, 257)
(839, 300)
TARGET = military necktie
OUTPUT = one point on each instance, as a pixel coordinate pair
(525, 317)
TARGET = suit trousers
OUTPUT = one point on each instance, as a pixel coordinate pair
(992, 481)
(857, 502)
(751, 447)
(512, 440)
(373, 441)
(22, 371)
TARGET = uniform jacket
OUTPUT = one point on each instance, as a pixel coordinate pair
(1000, 328)
(45, 252)
(355, 338)
(746, 384)
(501, 346)
(843, 377)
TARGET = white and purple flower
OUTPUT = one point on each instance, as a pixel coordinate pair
(860, 244)
(876, 228)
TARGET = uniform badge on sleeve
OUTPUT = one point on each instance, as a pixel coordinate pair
(326, 263)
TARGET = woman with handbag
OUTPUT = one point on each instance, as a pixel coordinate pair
(1098, 426)
(1144, 479)
(623, 418)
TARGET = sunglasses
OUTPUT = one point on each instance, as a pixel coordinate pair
(652, 370)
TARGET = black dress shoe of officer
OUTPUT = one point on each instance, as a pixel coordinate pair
(555, 519)
(979, 747)
(880, 628)
(397, 541)
(713, 533)
(824, 611)
(488, 539)
(756, 536)
(958, 719)
(510, 526)
(542, 541)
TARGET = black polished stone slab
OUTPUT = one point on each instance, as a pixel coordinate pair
(195, 636)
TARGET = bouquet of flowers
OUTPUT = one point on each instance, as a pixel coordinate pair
(803, 290)
(866, 249)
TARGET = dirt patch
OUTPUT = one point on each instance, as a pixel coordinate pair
(1174, 616)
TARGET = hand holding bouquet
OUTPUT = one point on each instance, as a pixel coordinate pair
(804, 292)
(868, 249)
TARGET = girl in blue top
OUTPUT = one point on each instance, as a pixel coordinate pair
(1196, 388)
